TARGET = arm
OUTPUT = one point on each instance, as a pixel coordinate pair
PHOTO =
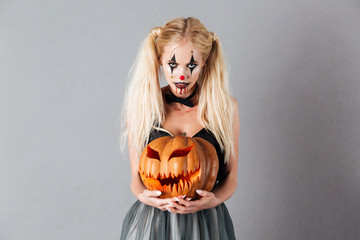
(228, 187)
(222, 192)
(136, 185)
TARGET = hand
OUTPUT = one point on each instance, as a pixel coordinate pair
(183, 205)
(152, 198)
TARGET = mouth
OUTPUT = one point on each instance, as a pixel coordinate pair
(181, 85)
(180, 184)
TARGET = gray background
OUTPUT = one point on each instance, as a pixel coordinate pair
(295, 73)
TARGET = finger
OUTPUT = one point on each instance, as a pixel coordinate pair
(184, 210)
(181, 196)
(161, 201)
(204, 193)
(170, 209)
(179, 207)
(165, 207)
(181, 201)
(158, 201)
(154, 193)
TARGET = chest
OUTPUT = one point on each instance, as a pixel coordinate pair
(182, 120)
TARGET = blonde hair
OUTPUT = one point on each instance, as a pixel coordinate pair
(143, 106)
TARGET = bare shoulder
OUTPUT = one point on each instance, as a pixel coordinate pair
(234, 101)
(235, 109)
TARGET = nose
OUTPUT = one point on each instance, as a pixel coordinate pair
(182, 73)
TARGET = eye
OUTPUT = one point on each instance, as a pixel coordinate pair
(172, 65)
(191, 65)
(182, 152)
(151, 153)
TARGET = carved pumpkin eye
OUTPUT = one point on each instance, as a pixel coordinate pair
(151, 153)
(182, 152)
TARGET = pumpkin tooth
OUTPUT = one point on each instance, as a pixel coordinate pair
(180, 188)
(167, 173)
(174, 189)
(154, 171)
(193, 178)
(181, 185)
(179, 171)
(186, 186)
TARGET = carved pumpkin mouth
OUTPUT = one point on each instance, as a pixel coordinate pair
(175, 184)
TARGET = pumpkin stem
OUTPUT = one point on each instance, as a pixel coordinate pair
(183, 134)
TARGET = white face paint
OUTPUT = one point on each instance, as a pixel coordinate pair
(182, 65)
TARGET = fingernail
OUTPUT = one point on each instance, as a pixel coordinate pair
(158, 193)
(199, 191)
(168, 209)
(176, 199)
(189, 199)
(170, 203)
(184, 197)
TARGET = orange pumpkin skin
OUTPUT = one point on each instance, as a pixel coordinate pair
(179, 166)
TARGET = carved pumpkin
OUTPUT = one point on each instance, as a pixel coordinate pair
(179, 166)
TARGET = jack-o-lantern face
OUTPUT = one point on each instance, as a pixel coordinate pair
(179, 166)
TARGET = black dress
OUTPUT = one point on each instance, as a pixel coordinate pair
(146, 222)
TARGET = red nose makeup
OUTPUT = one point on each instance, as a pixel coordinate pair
(182, 77)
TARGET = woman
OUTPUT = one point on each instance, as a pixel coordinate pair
(196, 102)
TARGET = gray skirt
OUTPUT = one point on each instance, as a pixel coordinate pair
(146, 222)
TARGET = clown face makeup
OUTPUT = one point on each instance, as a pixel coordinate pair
(182, 65)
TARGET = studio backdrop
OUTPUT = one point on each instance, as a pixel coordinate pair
(295, 68)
